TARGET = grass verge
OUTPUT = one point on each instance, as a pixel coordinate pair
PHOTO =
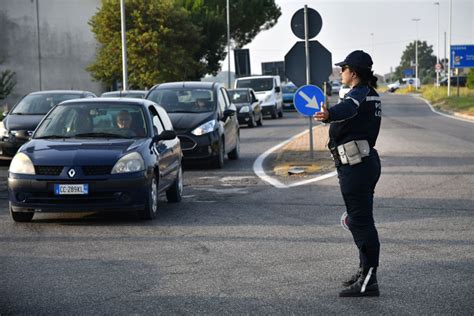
(438, 97)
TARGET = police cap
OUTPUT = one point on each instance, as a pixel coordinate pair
(358, 59)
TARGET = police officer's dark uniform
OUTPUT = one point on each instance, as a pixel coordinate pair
(355, 124)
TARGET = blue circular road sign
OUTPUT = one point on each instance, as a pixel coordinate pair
(308, 99)
(411, 81)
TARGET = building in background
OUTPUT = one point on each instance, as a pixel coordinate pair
(48, 44)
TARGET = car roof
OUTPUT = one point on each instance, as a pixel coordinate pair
(142, 102)
(187, 84)
(61, 92)
(240, 89)
(258, 77)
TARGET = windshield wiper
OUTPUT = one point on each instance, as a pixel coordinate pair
(106, 135)
(52, 137)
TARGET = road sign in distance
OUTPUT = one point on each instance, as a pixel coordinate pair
(315, 23)
(308, 99)
(463, 56)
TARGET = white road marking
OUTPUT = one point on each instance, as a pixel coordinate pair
(260, 172)
(444, 114)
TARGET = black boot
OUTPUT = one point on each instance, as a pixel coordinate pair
(366, 285)
(353, 279)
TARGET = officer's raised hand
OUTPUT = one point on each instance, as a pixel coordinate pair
(322, 115)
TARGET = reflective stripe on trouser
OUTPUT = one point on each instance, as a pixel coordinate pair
(357, 184)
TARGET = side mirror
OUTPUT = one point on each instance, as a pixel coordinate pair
(277, 89)
(229, 112)
(165, 135)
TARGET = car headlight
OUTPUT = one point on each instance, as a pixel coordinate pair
(268, 98)
(132, 162)
(3, 130)
(245, 109)
(205, 128)
(21, 163)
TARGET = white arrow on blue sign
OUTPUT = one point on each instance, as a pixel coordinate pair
(308, 99)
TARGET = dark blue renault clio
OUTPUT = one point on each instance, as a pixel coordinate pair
(97, 155)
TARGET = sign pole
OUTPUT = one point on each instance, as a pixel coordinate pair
(308, 78)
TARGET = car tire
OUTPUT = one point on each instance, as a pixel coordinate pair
(218, 161)
(235, 153)
(260, 121)
(175, 192)
(252, 120)
(20, 217)
(274, 112)
(151, 207)
(280, 114)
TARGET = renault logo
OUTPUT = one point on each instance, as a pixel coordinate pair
(71, 173)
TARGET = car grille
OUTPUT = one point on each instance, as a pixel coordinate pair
(87, 170)
(48, 170)
(187, 143)
(96, 170)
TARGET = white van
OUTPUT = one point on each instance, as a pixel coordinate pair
(403, 83)
(268, 91)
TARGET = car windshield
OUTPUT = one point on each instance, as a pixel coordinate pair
(93, 120)
(289, 89)
(257, 84)
(41, 103)
(184, 100)
(237, 96)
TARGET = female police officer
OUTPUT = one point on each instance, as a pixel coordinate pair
(355, 125)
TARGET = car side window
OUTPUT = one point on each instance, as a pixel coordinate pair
(157, 126)
(165, 120)
(221, 101)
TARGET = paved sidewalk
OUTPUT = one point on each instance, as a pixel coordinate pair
(295, 156)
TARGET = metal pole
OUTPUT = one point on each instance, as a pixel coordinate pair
(228, 46)
(124, 47)
(308, 78)
(450, 57)
(437, 57)
(39, 45)
(416, 54)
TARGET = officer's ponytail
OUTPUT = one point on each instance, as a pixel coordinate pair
(366, 76)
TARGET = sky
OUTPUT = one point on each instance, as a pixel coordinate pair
(382, 28)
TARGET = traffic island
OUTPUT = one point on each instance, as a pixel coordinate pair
(293, 160)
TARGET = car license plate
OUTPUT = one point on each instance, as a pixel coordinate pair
(68, 189)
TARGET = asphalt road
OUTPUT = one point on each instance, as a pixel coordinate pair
(236, 245)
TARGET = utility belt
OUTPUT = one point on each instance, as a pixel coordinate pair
(350, 153)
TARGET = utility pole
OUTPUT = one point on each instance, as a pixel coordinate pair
(124, 47)
(449, 45)
(416, 54)
(39, 46)
(228, 46)
(437, 55)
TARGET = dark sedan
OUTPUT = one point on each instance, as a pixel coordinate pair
(19, 124)
(203, 117)
(249, 108)
(97, 155)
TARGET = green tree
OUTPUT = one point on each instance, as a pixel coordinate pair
(426, 62)
(470, 79)
(169, 40)
(161, 42)
(247, 19)
(7, 82)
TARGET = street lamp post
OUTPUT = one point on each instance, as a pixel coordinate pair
(124, 47)
(416, 54)
(372, 35)
(228, 45)
(437, 57)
